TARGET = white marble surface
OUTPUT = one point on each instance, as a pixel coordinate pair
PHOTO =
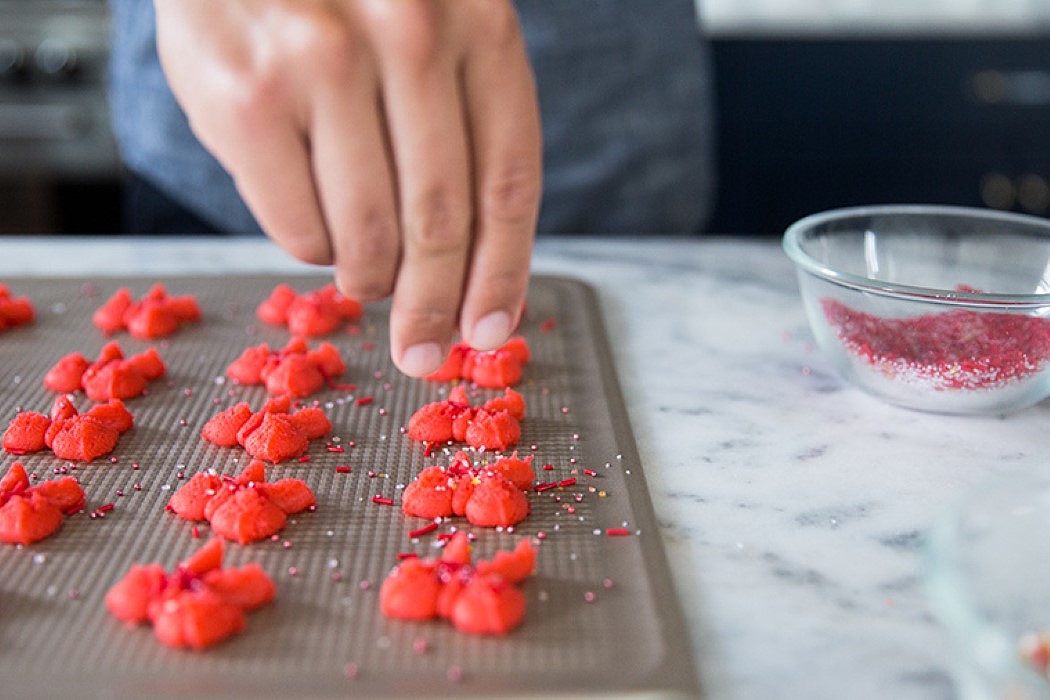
(793, 507)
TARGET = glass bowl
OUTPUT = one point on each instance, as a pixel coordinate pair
(987, 566)
(943, 309)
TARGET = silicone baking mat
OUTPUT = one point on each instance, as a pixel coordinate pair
(602, 614)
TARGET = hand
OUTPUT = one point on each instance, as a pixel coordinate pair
(397, 140)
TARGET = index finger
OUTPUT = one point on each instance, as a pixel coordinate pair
(423, 106)
(507, 146)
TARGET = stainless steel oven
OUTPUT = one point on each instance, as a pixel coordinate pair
(59, 170)
(53, 113)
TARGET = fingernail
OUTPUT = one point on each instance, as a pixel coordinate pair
(421, 359)
(491, 331)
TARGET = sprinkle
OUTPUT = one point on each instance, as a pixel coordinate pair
(106, 508)
(589, 596)
(364, 400)
(382, 500)
(402, 556)
(195, 533)
(617, 532)
(454, 674)
(426, 529)
(350, 670)
(304, 458)
(571, 481)
(419, 645)
(547, 486)
(342, 470)
(335, 448)
(590, 472)
(293, 571)
(548, 325)
(548, 467)
(429, 449)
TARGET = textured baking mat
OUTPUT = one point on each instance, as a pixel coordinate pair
(602, 614)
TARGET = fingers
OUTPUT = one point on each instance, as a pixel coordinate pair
(505, 128)
(424, 114)
(242, 110)
(354, 175)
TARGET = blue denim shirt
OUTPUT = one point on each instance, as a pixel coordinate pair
(625, 99)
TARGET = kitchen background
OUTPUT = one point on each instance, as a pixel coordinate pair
(822, 103)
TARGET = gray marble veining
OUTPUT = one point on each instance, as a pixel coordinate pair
(793, 507)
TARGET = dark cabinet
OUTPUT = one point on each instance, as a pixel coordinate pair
(812, 124)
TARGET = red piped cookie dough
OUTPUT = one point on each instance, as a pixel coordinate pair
(156, 315)
(296, 369)
(243, 508)
(14, 311)
(111, 376)
(196, 605)
(495, 425)
(481, 599)
(273, 434)
(489, 495)
(310, 314)
(30, 513)
(68, 433)
(492, 368)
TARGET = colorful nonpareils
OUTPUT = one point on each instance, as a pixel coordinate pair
(30, 513)
(959, 349)
(197, 605)
(480, 599)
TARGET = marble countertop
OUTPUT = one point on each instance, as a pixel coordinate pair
(793, 507)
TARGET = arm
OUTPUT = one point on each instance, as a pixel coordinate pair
(397, 140)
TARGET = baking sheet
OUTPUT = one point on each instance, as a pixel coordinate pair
(602, 613)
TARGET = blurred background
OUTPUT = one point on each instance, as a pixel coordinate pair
(822, 103)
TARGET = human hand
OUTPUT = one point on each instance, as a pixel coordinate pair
(397, 140)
